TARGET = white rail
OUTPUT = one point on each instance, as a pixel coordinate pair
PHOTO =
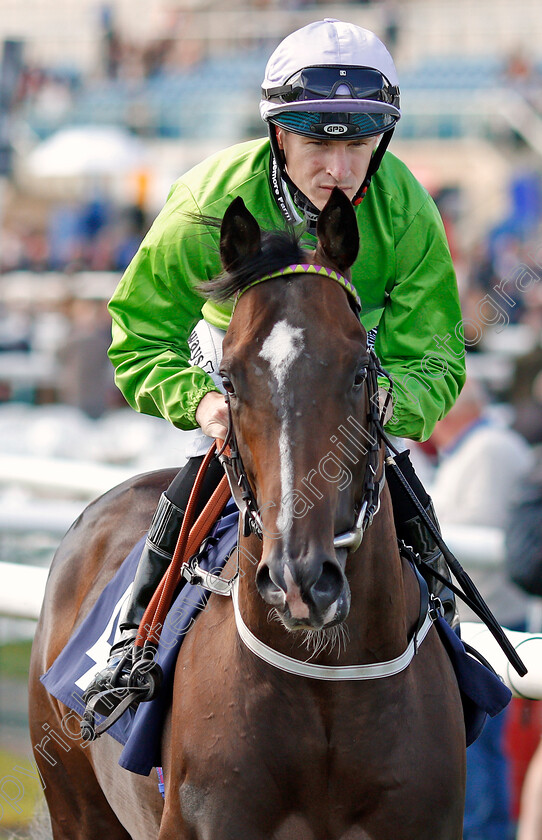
(21, 587)
(57, 475)
(21, 590)
(42, 515)
(529, 649)
(475, 547)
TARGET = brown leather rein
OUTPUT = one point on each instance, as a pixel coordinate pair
(190, 539)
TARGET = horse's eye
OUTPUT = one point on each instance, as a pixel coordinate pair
(228, 385)
(359, 378)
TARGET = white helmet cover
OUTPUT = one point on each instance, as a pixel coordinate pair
(335, 43)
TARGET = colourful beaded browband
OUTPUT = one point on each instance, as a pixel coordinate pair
(307, 268)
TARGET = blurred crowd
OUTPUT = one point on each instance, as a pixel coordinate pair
(94, 235)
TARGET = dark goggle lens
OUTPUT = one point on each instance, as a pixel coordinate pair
(323, 83)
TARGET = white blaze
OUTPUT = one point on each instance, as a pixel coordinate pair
(281, 348)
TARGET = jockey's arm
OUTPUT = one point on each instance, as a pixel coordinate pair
(419, 339)
(154, 310)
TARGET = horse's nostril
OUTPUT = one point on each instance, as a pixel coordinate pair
(329, 586)
(268, 589)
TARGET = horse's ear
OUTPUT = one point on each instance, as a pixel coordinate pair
(337, 231)
(240, 235)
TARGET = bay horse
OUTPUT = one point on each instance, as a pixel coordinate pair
(273, 730)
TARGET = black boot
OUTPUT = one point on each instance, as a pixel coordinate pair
(415, 535)
(155, 559)
(412, 531)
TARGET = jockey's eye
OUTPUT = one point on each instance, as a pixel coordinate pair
(228, 385)
(359, 378)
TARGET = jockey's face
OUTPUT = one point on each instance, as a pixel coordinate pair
(317, 166)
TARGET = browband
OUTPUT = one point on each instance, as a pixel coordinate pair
(308, 268)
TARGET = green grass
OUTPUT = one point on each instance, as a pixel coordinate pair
(20, 794)
(15, 659)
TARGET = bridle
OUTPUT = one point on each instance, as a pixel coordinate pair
(230, 457)
(251, 523)
(245, 498)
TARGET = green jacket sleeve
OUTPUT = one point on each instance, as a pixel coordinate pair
(154, 309)
(419, 339)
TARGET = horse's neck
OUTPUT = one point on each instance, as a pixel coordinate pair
(382, 607)
(387, 594)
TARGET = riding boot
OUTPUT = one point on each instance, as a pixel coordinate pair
(154, 561)
(414, 534)
(411, 530)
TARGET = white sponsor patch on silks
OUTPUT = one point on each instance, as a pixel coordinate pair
(281, 348)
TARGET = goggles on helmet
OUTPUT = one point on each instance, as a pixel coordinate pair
(334, 82)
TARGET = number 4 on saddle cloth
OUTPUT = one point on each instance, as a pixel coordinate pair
(139, 729)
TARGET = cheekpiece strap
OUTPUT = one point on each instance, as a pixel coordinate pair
(308, 268)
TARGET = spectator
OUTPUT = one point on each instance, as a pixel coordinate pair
(481, 462)
(524, 558)
(530, 818)
(86, 379)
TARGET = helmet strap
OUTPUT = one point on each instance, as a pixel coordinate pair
(285, 192)
(376, 160)
(280, 179)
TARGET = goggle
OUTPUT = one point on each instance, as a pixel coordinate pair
(323, 83)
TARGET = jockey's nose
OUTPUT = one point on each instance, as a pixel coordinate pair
(337, 164)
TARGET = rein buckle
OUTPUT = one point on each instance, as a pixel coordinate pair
(196, 576)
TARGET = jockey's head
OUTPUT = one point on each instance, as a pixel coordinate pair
(331, 99)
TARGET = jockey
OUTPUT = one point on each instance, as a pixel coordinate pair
(330, 98)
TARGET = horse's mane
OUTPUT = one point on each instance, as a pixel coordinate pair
(279, 248)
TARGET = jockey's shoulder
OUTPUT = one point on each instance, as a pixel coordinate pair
(235, 170)
(395, 182)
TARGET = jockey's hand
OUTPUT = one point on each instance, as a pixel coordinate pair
(212, 415)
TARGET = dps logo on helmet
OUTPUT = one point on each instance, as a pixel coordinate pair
(335, 128)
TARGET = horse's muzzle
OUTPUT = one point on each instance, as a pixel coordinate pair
(308, 593)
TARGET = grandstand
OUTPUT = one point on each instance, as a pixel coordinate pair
(207, 60)
(187, 72)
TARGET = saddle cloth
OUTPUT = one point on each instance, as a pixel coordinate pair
(482, 692)
(88, 649)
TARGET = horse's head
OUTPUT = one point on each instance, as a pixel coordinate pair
(294, 366)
